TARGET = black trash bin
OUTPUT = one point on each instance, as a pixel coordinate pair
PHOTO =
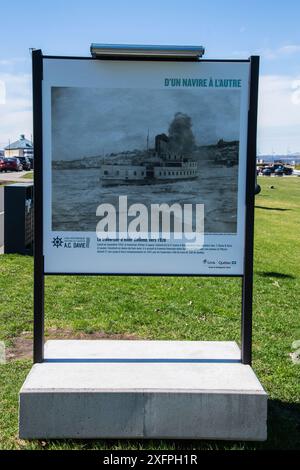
(18, 222)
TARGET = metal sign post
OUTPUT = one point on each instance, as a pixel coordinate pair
(39, 279)
(247, 282)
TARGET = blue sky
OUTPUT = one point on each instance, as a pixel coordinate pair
(227, 28)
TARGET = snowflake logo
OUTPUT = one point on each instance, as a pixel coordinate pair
(57, 241)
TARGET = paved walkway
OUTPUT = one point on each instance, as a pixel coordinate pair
(16, 176)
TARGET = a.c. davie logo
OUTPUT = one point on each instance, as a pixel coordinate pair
(184, 222)
(57, 242)
(71, 242)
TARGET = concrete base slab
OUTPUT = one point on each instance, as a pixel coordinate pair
(142, 389)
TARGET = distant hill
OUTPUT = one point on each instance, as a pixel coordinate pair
(221, 153)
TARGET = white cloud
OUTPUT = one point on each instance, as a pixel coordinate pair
(279, 103)
(279, 113)
(15, 62)
(296, 92)
(2, 92)
(270, 54)
(289, 49)
(280, 52)
(16, 107)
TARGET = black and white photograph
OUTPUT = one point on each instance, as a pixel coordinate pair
(152, 145)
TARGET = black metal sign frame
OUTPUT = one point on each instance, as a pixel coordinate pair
(39, 271)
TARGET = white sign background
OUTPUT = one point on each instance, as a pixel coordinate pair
(134, 74)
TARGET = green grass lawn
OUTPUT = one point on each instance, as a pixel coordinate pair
(28, 176)
(174, 308)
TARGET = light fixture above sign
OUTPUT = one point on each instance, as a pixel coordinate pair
(101, 51)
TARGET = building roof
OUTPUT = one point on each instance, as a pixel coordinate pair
(22, 143)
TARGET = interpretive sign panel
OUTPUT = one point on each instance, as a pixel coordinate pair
(144, 166)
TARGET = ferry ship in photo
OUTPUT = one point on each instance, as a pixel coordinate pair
(159, 165)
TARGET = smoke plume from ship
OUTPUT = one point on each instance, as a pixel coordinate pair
(181, 137)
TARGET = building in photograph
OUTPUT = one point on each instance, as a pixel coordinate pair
(21, 148)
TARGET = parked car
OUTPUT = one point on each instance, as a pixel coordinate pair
(285, 169)
(25, 162)
(2, 164)
(288, 170)
(279, 168)
(12, 164)
(267, 172)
